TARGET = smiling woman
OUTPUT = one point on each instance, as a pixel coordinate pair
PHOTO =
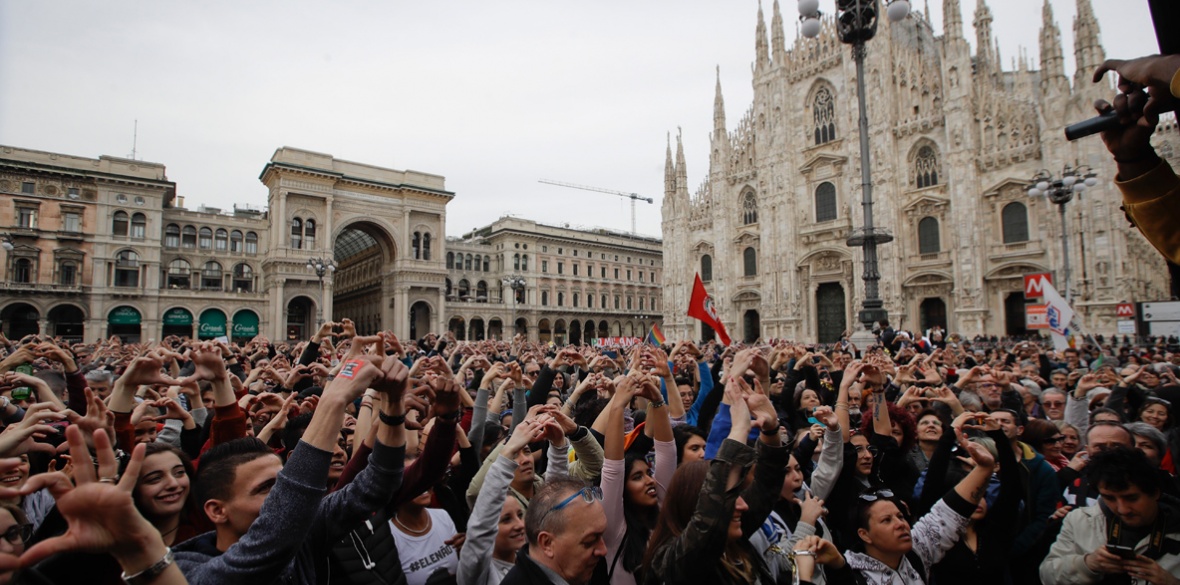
(164, 494)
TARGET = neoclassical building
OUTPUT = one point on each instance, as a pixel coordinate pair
(574, 285)
(105, 247)
(954, 139)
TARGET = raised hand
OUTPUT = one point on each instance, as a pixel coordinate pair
(763, 411)
(979, 454)
(827, 416)
(100, 511)
(739, 411)
(17, 439)
(811, 509)
(446, 394)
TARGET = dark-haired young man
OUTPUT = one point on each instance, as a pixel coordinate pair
(1134, 531)
(273, 522)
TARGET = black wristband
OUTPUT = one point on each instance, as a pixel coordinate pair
(773, 431)
(451, 415)
(578, 434)
(391, 420)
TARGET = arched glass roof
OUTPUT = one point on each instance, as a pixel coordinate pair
(352, 242)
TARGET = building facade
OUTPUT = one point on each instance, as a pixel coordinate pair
(104, 247)
(954, 140)
(571, 286)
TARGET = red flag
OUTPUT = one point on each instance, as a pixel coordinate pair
(701, 307)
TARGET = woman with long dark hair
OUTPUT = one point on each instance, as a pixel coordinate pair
(164, 495)
(702, 532)
(632, 489)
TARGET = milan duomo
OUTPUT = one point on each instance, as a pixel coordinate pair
(955, 138)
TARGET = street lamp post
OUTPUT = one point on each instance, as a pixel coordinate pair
(516, 283)
(321, 266)
(1060, 190)
(856, 21)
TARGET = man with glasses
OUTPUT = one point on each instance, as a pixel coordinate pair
(564, 526)
(1053, 404)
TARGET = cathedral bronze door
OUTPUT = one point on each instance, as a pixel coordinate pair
(830, 312)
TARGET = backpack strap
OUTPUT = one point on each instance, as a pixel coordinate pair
(618, 553)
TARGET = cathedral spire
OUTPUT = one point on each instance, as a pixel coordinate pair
(669, 172)
(1087, 49)
(718, 109)
(681, 168)
(952, 20)
(983, 40)
(760, 46)
(778, 41)
(1052, 61)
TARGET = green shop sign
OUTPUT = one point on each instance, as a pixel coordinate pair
(212, 324)
(178, 317)
(124, 316)
(245, 324)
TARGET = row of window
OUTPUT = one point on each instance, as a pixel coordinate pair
(179, 274)
(481, 294)
(749, 264)
(468, 262)
(644, 305)
(1013, 220)
(24, 271)
(221, 240)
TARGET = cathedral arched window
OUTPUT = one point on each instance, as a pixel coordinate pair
(825, 202)
(706, 268)
(1014, 223)
(749, 208)
(823, 109)
(750, 261)
(926, 168)
(928, 242)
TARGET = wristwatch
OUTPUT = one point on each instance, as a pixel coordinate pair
(149, 574)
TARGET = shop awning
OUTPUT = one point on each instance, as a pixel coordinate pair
(124, 316)
(212, 324)
(245, 324)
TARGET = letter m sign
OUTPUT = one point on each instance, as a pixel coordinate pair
(1034, 284)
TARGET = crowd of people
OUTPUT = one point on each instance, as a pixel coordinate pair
(365, 459)
(925, 458)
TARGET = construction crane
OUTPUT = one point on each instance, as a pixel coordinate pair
(632, 196)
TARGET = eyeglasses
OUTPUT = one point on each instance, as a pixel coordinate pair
(870, 448)
(590, 494)
(1052, 440)
(18, 533)
(1054, 404)
(876, 495)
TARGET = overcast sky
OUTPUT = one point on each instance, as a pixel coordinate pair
(491, 95)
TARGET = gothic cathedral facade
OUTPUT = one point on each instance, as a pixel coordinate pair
(954, 140)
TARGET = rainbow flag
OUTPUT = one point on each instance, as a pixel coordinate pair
(655, 336)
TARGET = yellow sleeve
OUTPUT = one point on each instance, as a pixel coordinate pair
(1152, 201)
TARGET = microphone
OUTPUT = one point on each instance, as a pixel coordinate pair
(1102, 123)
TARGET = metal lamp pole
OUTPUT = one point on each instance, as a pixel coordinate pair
(321, 266)
(515, 283)
(1061, 190)
(856, 21)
